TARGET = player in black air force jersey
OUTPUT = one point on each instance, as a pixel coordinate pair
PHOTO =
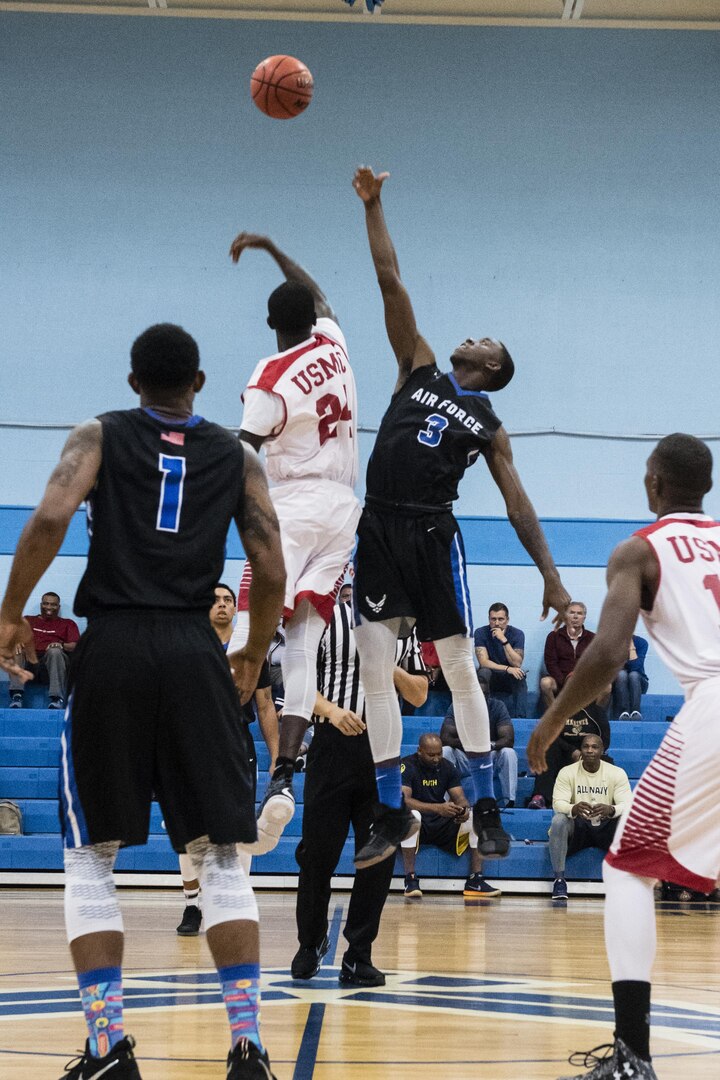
(410, 562)
(152, 705)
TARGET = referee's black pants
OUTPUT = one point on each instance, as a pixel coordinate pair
(339, 792)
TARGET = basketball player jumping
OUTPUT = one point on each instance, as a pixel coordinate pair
(670, 573)
(410, 562)
(152, 705)
(300, 404)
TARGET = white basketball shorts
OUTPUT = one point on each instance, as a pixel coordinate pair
(671, 830)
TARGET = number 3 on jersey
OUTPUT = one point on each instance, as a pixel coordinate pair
(171, 492)
(331, 411)
(432, 434)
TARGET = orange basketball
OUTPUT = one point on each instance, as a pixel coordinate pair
(281, 86)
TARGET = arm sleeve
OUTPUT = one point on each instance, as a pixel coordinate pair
(263, 412)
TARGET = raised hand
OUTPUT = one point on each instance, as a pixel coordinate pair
(247, 240)
(367, 184)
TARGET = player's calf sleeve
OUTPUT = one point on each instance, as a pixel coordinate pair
(90, 899)
(299, 662)
(469, 705)
(227, 893)
(376, 642)
(630, 931)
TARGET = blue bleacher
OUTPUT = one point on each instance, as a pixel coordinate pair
(29, 760)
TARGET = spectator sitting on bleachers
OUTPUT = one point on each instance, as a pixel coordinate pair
(563, 649)
(502, 740)
(500, 650)
(54, 639)
(631, 682)
(566, 749)
(432, 790)
(588, 799)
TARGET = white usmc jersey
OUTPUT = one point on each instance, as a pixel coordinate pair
(304, 401)
(684, 622)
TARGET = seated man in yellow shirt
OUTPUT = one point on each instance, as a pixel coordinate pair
(588, 798)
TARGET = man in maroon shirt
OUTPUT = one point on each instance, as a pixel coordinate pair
(54, 639)
(563, 649)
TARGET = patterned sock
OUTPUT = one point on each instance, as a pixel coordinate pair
(481, 774)
(102, 1001)
(389, 785)
(192, 897)
(241, 993)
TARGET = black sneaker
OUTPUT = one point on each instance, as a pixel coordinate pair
(412, 887)
(307, 960)
(56, 703)
(191, 920)
(246, 1062)
(359, 973)
(476, 885)
(120, 1063)
(560, 891)
(493, 841)
(618, 1061)
(387, 832)
(16, 700)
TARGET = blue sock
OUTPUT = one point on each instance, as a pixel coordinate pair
(102, 1001)
(388, 785)
(481, 774)
(241, 993)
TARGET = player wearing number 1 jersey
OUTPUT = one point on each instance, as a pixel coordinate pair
(300, 404)
(669, 573)
(410, 562)
(152, 705)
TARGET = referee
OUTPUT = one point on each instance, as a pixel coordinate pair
(340, 791)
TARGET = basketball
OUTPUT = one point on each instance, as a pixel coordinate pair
(281, 86)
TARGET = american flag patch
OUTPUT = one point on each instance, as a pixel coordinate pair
(176, 437)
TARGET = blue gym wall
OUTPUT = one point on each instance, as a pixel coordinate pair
(555, 188)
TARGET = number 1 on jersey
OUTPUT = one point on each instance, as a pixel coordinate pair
(171, 492)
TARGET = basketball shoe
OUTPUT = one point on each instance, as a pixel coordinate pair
(355, 972)
(618, 1062)
(493, 841)
(120, 1063)
(387, 831)
(276, 810)
(476, 885)
(246, 1062)
(191, 921)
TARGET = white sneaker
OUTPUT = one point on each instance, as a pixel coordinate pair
(276, 811)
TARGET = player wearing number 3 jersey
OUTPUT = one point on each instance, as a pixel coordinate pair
(300, 404)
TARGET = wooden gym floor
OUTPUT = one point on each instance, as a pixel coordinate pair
(499, 989)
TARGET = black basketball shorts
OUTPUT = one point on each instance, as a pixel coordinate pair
(443, 833)
(412, 566)
(152, 708)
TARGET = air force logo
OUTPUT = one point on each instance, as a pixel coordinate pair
(376, 606)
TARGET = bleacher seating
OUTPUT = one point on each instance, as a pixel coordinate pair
(29, 759)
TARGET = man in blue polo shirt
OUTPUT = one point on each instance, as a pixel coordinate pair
(500, 649)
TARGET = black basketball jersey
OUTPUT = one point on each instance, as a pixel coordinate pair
(432, 431)
(159, 513)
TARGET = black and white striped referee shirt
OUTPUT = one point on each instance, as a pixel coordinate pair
(339, 664)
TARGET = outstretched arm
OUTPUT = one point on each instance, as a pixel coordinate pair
(292, 270)
(524, 521)
(260, 534)
(631, 575)
(410, 348)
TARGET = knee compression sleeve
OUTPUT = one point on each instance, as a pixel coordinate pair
(471, 715)
(299, 663)
(376, 642)
(91, 905)
(227, 893)
(630, 931)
